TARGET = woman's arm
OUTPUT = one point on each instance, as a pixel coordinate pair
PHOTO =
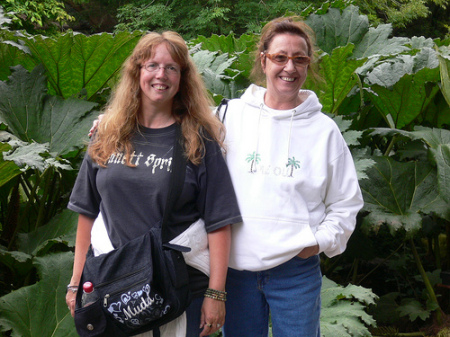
(213, 311)
(82, 243)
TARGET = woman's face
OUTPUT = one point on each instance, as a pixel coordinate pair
(159, 79)
(284, 81)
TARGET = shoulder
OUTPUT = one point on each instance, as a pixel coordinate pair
(253, 95)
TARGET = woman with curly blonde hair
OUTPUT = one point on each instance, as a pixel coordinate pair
(125, 174)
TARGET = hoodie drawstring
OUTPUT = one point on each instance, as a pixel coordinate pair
(289, 140)
(255, 155)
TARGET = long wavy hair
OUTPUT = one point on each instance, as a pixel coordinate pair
(284, 25)
(191, 108)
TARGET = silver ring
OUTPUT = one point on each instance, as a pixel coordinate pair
(208, 325)
(218, 325)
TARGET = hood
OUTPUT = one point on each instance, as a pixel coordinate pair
(254, 96)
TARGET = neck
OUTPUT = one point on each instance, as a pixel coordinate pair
(156, 116)
(281, 103)
(156, 120)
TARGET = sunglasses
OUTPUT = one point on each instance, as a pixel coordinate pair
(282, 59)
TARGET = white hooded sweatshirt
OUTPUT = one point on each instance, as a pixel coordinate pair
(294, 178)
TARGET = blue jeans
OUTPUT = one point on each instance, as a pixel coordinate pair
(193, 315)
(289, 293)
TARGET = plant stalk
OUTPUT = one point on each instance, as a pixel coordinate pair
(390, 146)
(427, 282)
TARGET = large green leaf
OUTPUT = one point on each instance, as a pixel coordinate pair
(377, 42)
(75, 62)
(40, 310)
(442, 157)
(240, 49)
(444, 64)
(212, 66)
(338, 28)
(26, 155)
(413, 309)
(433, 137)
(438, 140)
(388, 72)
(227, 44)
(34, 116)
(360, 156)
(408, 98)
(8, 169)
(343, 310)
(12, 53)
(62, 228)
(19, 263)
(398, 193)
(362, 162)
(338, 72)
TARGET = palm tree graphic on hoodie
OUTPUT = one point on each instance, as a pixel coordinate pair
(294, 164)
(254, 158)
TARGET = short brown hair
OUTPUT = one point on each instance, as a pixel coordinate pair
(284, 25)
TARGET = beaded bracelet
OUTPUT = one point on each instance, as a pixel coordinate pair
(216, 294)
(73, 289)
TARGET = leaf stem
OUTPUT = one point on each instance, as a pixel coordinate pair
(390, 146)
(427, 282)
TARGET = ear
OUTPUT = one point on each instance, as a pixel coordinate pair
(263, 62)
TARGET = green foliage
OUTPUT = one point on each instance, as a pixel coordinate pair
(27, 311)
(193, 18)
(147, 17)
(399, 13)
(225, 63)
(37, 15)
(60, 229)
(4, 19)
(410, 17)
(396, 193)
(34, 116)
(343, 310)
(413, 309)
(339, 77)
(77, 65)
(444, 67)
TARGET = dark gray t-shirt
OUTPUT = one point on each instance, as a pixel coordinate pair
(132, 199)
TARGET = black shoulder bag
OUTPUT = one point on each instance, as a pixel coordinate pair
(141, 285)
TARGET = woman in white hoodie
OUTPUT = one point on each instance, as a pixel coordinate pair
(296, 186)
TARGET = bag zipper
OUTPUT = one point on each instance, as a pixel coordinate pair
(121, 277)
(107, 296)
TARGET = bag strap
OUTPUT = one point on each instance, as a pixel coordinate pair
(224, 102)
(176, 182)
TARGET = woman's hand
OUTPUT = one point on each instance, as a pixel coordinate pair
(213, 316)
(82, 243)
(95, 125)
(70, 300)
(309, 251)
(213, 310)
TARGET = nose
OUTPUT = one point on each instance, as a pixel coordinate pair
(290, 66)
(161, 71)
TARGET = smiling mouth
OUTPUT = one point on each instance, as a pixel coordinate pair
(160, 87)
(288, 79)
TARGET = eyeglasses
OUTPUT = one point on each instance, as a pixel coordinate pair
(154, 67)
(281, 59)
